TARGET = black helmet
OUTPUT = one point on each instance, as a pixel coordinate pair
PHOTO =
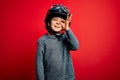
(57, 10)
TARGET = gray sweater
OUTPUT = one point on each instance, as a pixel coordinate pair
(53, 60)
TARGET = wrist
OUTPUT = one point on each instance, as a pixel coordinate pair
(67, 28)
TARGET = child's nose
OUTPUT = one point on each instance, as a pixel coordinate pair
(57, 22)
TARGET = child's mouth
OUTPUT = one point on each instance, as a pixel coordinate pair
(57, 26)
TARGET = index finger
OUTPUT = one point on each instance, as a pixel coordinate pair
(69, 17)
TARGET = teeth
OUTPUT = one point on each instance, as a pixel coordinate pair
(57, 26)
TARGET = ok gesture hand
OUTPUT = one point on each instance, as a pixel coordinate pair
(67, 22)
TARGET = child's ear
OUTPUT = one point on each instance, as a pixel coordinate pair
(48, 23)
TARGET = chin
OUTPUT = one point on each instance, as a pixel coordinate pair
(57, 30)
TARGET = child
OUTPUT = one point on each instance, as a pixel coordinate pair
(53, 60)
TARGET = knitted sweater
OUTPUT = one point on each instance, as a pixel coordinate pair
(53, 60)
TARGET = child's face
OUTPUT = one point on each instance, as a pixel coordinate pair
(57, 24)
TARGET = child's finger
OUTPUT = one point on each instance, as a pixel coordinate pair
(70, 18)
(67, 17)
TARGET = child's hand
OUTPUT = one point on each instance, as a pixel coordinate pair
(67, 22)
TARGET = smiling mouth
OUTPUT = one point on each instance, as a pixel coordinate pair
(57, 26)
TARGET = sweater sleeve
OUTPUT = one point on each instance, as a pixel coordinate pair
(39, 62)
(71, 40)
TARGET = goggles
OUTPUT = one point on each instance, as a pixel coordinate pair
(59, 8)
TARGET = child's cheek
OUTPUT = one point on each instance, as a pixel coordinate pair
(63, 26)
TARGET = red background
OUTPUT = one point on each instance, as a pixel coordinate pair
(96, 24)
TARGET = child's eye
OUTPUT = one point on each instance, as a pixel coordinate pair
(63, 21)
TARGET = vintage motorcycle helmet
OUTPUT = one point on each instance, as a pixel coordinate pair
(57, 10)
